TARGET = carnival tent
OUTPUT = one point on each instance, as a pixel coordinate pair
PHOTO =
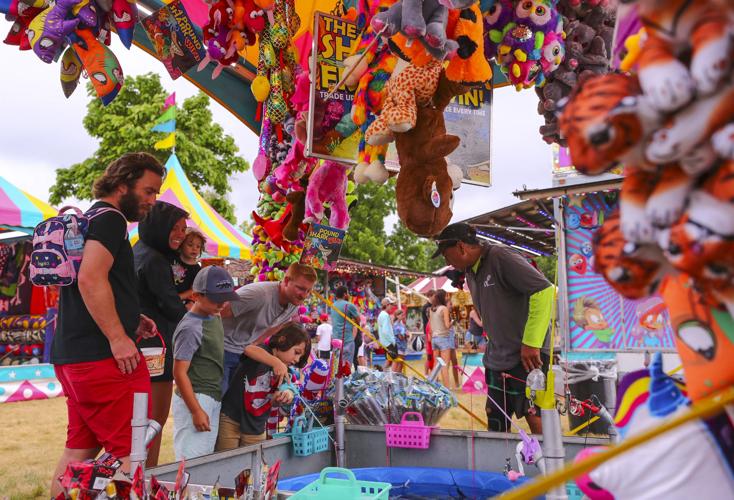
(423, 285)
(20, 211)
(222, 238)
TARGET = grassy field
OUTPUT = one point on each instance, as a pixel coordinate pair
(37, 432)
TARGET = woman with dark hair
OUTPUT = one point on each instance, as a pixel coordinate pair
(442, 336)
(260, 381)
(161, 233)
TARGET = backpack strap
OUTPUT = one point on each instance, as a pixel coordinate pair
(69, 207)
(95, 212)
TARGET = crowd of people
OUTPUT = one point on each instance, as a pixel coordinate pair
(230, 351)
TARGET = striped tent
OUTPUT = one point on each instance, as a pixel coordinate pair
(222, 238)
(20, 210)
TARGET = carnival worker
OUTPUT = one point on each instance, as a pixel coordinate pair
(518, 299)
(161, 233)
(198, 365)
(260, 381)
(93, 351)
(261, 308)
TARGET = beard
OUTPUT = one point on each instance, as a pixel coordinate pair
(130, 207)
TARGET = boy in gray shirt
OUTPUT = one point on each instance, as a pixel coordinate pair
(198, 365)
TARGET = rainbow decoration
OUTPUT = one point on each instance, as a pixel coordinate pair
(222, 238)
(28, 383)
(19, 209)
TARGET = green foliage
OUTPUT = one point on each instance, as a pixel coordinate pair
(411, 251)
(547, 265)
(368, 241)
(207, 154)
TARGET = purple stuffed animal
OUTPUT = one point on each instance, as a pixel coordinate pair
(48, 31)
(328, 183)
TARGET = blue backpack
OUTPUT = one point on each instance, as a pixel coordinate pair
(58, 245)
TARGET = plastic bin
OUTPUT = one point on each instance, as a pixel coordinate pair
(330, 488)
(408, 433)
(307, 441)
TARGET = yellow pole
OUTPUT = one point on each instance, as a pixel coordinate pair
(704, 408)
(368, 334)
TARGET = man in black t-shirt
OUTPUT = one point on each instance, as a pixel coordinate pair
(93, 351)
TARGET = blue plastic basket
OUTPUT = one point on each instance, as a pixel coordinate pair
(329, 488)
(307, 441)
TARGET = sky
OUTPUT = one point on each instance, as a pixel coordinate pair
(43, 131)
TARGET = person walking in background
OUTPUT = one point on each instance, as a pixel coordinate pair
(261, 308)
(385, 333)
(442, 336)
(425, 314)
(323, 332)
(519, 300)
(93, 350)
(341, 328)
(185, 263)
(401, 339)
(198, 365)
(161, 233)
(476, 330)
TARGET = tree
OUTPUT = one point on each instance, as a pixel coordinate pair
(207, 154)
(411, 251)
(547, 266)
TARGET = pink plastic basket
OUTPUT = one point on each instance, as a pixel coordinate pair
(408, 433)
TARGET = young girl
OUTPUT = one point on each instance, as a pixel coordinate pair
(260, 381)
(185, 264)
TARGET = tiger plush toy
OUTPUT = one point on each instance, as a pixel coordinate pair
(634, 271)
(673, 26)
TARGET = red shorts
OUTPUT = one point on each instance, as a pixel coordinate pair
(99, 399)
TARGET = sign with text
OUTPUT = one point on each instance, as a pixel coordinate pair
(322, 246)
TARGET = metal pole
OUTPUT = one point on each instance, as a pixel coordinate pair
(553, 451)
(339, 420)
(397, 290)
(139, 424)
(610, 402)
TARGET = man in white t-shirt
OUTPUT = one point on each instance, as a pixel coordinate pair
(323, 332)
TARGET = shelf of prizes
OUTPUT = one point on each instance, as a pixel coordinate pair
(27, 320)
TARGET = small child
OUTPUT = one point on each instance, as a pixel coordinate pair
(401, 338)
(260, 381)
(323, 332)
(185, 264)
(198, 365)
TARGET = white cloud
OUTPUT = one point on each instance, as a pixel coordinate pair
(43, 131)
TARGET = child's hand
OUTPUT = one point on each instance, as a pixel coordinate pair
(201, 421)
(283, 397)
(280, 370)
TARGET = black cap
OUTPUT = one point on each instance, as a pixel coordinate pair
(452, 234)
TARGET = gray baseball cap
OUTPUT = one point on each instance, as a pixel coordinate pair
(216, 284)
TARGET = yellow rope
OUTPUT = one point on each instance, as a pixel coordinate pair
(704, 408)
(368, 334)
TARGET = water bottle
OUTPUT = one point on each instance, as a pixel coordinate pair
(74, 241)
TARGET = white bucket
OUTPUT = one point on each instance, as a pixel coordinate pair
(155, 358)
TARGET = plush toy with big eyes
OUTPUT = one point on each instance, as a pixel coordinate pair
(71, 71)
(100, 64)
(124, 17)
(49, 29)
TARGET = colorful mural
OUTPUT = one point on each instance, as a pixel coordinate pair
(599, 318)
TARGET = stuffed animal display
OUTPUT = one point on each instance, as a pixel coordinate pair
(76, 32)
(674, 229)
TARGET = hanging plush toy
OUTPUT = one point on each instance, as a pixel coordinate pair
(71, 71)
(48, 30)
(424, 189)
(100, 64)
(328, 184)
(124, 18)
(468, 66)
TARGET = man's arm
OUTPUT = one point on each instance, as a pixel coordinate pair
(181, 375)
(536, 327)
(100, 302)
(262, 356)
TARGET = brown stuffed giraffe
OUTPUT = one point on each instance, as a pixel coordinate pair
(424, 189)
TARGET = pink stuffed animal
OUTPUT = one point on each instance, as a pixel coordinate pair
(295, 166)
(328, 183)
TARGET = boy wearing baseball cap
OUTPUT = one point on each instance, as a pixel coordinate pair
(198, 365)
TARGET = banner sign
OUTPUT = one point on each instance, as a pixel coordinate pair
(599, 318)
